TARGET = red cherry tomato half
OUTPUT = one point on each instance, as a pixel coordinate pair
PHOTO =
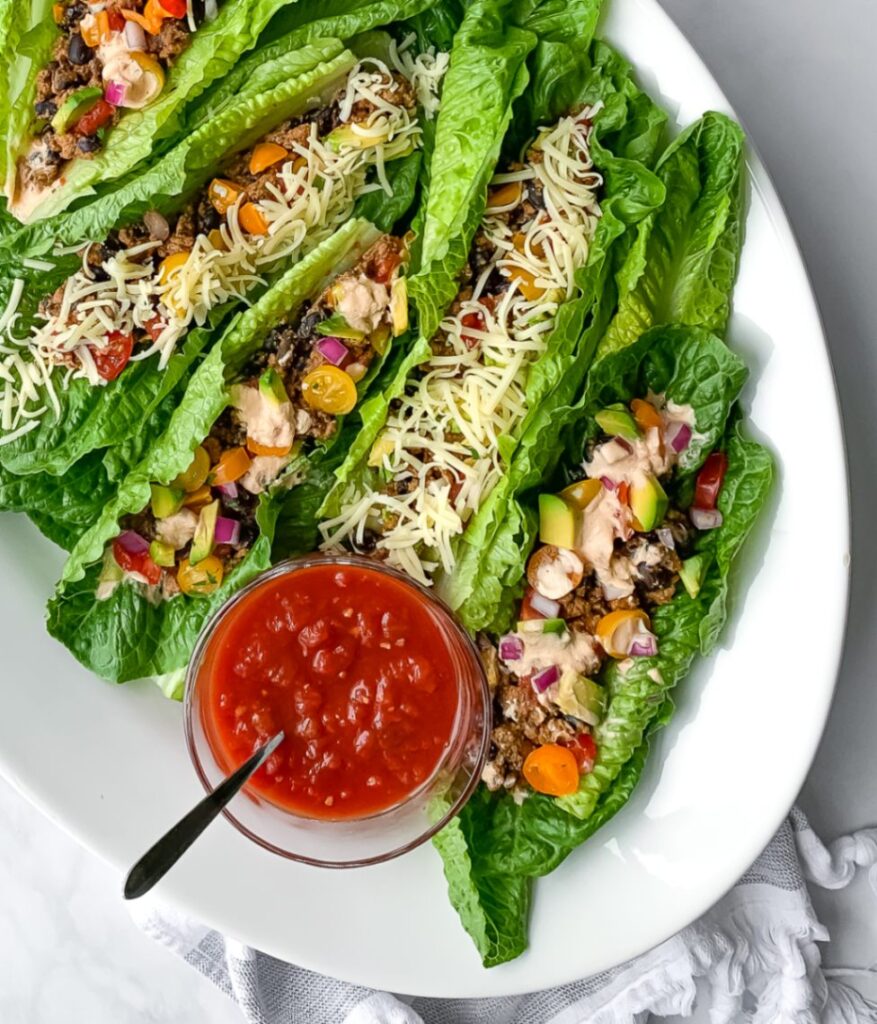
(584, 750)
(139, 563)
(475, 322)
(110, 361)
(709, 480)
(175, 8)
(96, 118)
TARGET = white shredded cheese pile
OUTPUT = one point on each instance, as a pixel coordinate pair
(315, 193)
(440, 446)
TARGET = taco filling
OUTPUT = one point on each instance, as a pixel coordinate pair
(612, 548)
(438, 455)
(108, 59)
(290, 393)
(139, 291)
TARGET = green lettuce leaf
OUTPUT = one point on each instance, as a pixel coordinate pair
(496, 847)
(62, 508)
(213, 51)
(684, 262)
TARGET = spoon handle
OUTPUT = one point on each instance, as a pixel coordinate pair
(162, 856)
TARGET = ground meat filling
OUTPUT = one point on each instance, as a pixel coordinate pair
(88, 37)
(581, 600)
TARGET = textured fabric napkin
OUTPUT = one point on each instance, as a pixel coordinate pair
(754, 955)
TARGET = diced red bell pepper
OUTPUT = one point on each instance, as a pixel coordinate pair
(709, 480)
(527, 610)
(99, 115)
(175, 8)
(140, 563)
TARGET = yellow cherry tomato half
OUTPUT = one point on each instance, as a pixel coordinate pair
(616, 630)
(329, 389)
(196, 475)
(202, 579)
(552, 769)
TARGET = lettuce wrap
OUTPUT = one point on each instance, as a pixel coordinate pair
(499, 844)
(466, 383)
(48, 427)
(245, 403)
(680, 264)
(142, 64)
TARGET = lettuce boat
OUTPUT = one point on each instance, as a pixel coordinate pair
(531, 295)
(194, 519)
(93, 91)
(631, 586)
(268, 176)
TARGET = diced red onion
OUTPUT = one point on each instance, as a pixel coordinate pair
(228, 531)
(333, 350)
(114, 93)
(665, 536)
(544, 605)
(645, 645)
(156, 225)
(511, 647)
(133, 543)
(228, 490)
(607, 483)
(622, 442)
(612, 592)
(547, 677)
(678, 436)
(705, 518)
(135, 37)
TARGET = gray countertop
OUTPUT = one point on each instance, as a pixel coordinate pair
(802, 76)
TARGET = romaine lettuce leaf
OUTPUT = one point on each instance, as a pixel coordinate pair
(496, 847)
(684, 262)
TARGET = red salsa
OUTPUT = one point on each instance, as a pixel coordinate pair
(353, 666)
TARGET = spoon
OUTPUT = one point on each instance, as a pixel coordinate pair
(161, 857)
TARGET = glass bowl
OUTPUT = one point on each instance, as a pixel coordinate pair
(352, 842)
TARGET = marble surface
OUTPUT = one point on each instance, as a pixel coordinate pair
(801, 75)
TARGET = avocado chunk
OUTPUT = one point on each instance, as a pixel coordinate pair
(557, 521)
(541, 626)
(581, 697)
(162, 554)
(648, 502)
(399, 306)
(616, 420)
(75, 106)
(344, 135)
(336, 326)
(202, 542)
(692, 573)
(166, 501)
(271, 386)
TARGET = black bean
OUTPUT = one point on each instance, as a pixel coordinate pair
(327, 119)
(88, 144)
(534, 194)
(78, 51)
(46, 108)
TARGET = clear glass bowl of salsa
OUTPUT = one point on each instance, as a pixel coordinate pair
(380, 692)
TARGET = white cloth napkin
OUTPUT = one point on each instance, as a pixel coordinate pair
(754, 955)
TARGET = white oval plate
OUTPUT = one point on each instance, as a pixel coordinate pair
(109, 763)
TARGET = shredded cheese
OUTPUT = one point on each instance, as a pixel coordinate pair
(440, 444)
(314, 193)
